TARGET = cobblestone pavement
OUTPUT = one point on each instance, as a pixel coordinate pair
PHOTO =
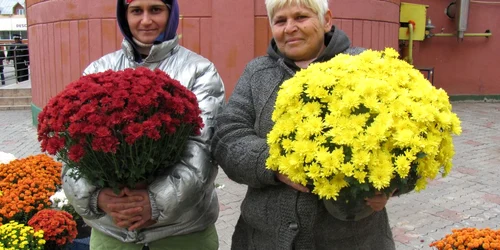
(468, 197)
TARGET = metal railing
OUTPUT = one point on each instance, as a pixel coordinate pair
(15, 68)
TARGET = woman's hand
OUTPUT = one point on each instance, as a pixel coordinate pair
(283, 178)
(128, 208)
(133, 215)
(107, 198)
(378, 202)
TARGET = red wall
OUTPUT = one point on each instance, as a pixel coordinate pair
(468, 67)
(66, 35)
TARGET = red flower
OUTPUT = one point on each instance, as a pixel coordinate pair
(102, 132)
(133, 132)
(105, 144)
(76, 152)
(122, 120)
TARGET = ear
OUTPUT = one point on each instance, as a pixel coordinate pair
(328, 21)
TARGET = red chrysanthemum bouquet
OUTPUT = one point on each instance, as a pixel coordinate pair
(120, 128)
(59, 228)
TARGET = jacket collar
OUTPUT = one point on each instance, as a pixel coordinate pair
(158, 52)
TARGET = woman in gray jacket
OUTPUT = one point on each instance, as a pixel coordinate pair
(177, 210)
(276, 213)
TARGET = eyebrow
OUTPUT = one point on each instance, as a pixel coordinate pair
(149, 6)
(299, 12)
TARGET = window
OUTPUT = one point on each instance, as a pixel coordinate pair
(24, 34)
(20, 11)
(5, 35)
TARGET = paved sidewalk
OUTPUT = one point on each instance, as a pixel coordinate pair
(468, 197)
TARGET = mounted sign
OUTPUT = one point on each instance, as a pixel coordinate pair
(13, 24)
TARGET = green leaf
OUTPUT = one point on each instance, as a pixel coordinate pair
(421, 155)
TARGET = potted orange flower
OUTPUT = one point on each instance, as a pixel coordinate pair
(469, 238)
(58, 226)
(26, 185)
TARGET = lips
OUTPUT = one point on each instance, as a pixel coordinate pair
(293, 40)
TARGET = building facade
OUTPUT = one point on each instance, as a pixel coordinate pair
(64, 42)
(13, 19)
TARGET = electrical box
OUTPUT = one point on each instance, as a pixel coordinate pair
(417, 14)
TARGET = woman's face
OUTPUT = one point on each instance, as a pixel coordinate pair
(299, 33)
(147, 19)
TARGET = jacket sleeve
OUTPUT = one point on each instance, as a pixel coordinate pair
(238, 149)
(186, 183)
(81, 194)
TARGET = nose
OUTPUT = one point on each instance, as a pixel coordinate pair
(146, 19)
(290, 26)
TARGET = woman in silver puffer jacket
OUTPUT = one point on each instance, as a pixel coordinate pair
(178, 210)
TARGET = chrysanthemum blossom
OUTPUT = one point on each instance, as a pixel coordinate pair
(360, 124)
(118, 128)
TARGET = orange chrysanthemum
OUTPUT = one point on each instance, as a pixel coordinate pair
(27, 185)
(58, 226)
(469, 238)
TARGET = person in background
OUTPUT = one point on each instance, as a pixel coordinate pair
(19, 53)
(178, 210)
(2, 58)
(277, 213)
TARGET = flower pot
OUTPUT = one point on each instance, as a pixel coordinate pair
(80, 244)
(83, 229)
(51, 245)
(348, 211)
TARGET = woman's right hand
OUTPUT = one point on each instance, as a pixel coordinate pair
(128, 211)
(283, 178)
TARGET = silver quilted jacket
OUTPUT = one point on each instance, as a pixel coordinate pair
(184, 201)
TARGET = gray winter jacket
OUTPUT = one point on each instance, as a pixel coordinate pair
(273, 215)
(184, 201)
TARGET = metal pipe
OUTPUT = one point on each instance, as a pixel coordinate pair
(410, 43)
(463, 16)
(464, 34)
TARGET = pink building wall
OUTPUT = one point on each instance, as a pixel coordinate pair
(66, 35)
(468, 67)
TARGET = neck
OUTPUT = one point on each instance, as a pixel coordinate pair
(142, 48)
(305, 63)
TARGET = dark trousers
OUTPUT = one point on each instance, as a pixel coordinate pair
(2, 76)
(22, 72)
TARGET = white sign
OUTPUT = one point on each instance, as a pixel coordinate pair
(13, 24)
(19, 24)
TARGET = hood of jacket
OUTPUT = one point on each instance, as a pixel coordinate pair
(336, 42)
(167, 35)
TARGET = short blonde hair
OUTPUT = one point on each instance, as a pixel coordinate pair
(317, 6)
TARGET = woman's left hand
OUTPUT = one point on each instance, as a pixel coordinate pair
(144, 213)
(378, 202)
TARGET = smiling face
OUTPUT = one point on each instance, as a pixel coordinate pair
(299, 33)
(147, 19)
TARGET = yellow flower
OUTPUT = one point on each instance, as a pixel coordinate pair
(364, 119)
(360, 176)
(403, 166)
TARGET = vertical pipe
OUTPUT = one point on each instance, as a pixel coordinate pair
(410, 43)
(463, 16)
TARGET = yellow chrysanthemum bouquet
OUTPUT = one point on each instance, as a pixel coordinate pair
(362, 124)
